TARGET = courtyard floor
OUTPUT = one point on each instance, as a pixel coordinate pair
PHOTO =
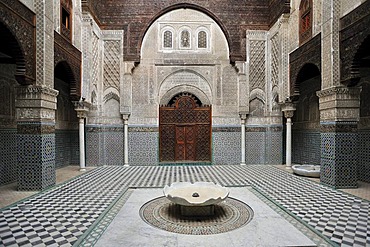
(87, 208)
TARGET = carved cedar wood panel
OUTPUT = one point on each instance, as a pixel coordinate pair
(185, 130)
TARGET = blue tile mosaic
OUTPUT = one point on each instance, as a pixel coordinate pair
(104, 145)
(339, 158)
(306, 147)
(8, 156)
(226, 148)
(113, 148)
(274, 147)
(363, 169)
(36, 160)
(66, 148)
(255, 149)
(143, 148)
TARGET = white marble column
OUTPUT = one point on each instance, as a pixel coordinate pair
(288, 142)
(125, 139)
(82, 108)
(243, 120)
(81, 131)
(288, 109)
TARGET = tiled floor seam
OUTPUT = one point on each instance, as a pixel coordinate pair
(91, 235)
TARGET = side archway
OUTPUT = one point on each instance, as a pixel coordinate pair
(66, 121)
(306, 128)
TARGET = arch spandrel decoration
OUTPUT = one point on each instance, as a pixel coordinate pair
(185, 130)
(354, 37)
(18, 27)
(67, 54)
(310, 50)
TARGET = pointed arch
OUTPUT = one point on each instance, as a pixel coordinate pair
(64, 72)
(15, 53)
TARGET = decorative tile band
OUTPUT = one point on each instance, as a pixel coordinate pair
(327, 127)
(34, 128)
(226, 129)
(105, 128)
(143, 129)
(267, 128)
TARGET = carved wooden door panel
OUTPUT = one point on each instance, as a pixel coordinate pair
(185, 131)
(185, 143)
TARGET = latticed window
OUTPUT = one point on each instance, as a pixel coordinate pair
(185, 39)
(305, 24)
(66, 18)
(202, 39)
(167, 39)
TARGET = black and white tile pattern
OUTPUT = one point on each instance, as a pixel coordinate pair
(59, 216)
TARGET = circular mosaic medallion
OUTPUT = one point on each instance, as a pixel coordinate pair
(228, 215)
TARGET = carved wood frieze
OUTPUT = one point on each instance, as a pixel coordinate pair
(65, 52)
(309, 53)
(135, 17)
(19, 35)
(355, 29)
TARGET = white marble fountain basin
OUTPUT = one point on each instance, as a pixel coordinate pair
(307, 170)
(195, 194)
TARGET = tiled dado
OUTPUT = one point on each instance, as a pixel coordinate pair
(36, 155)
(67, 148)
(143, 145)
(363, 168)
(8, 156)
(104, 145)
(305, 148)
(263, 144)
(339, 154)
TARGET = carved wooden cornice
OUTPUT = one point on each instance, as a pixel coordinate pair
(338, 91)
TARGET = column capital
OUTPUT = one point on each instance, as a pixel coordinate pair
(128, 67)
(36, 103)
(288, 107)
(339, 104)
(125, 116)
(82, 108)
(240, 67)
(243, 115)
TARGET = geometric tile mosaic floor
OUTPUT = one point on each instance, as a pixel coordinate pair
(266, 228)
(62, 215)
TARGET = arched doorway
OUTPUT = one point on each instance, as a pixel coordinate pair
(9, 54)
(66, 122)
(306, 128)
(185, 130)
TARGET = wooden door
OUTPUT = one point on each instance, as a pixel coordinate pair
(185, 131)
(185, 143)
